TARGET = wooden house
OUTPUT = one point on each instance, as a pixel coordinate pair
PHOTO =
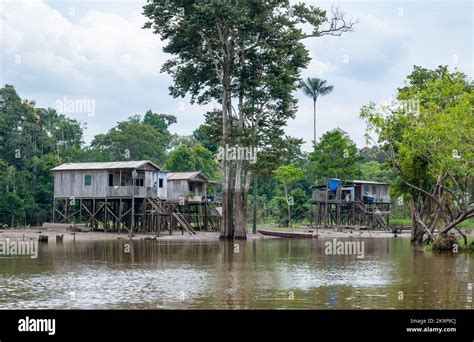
(187, 186)
(356, 190)
(131, 196)
(110, 179)
(366, 191)
(353, 203)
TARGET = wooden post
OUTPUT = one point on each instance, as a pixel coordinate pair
(158, 217)
(171, 224)
(54, 210)
(119, 224)
(133, 214)
(206, 216)
(80, 210)
(65, 210)
(93, 214)
(106, 216)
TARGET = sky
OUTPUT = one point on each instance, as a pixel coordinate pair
(92, 60)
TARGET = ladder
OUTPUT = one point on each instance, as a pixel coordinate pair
(183, 222)
(376, 217)
(157, 205)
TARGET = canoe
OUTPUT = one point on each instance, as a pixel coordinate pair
(288, 235)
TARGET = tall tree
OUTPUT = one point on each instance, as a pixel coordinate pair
(137, 139)
(315, 87)
(192, 157)
(32, 141)
(335, 155)
(287, 175)
(247, 55)
(428, 136)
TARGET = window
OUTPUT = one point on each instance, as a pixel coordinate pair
(366, 188)
(122, 181)
(374, 189)
(111, 179)
(160, 182)
(87, 180)
(139, 182)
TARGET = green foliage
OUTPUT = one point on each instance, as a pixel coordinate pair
(288, 174)
(300, 209)
(335, 155)
(203, 134)
(428, 137)
(32, 141)
(371, 153)
(435, 138)
(137, 139)
(315, 87)
(376, 172)
(301, 206)
(278, 210)
(192, 157)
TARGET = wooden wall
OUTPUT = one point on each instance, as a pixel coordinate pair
(70, 183)
(177, 188)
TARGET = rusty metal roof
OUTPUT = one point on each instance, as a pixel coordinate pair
(104, 165)
(186, 176)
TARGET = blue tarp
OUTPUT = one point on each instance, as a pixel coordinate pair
(334, 184)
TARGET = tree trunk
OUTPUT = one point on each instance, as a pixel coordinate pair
(226, 221)
(289, 207)
(241, 205)
(238, 201)
(314, 112)
(417, 230)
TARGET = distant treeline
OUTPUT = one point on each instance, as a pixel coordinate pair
(33, 140)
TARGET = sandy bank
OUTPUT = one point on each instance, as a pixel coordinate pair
(52, 232)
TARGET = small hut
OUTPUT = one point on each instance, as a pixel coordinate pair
(187, 186)
(140, 179)
(353, 203)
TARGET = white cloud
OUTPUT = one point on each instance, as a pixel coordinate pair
(102, 53)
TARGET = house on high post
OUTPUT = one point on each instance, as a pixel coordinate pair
(357, 203)
(109, 195)
(187, 186)
(357, 190)
(140, 179)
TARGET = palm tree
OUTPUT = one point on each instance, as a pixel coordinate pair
(315, 87)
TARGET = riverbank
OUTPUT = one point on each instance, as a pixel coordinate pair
(52, 232)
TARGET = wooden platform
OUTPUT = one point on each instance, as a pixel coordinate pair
(288, 235)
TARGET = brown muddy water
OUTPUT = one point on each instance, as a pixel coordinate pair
(257, 274)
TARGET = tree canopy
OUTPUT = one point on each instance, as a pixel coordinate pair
(428, 136)
(335, 155)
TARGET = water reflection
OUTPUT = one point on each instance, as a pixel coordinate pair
(267, 273)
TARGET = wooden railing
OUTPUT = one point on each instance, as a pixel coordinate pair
(127, 191)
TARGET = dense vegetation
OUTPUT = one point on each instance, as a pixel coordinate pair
(34, 140)
(424, 151)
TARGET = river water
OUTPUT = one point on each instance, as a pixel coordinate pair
(256, 274)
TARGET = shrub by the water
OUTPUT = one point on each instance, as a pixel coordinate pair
(444, 243)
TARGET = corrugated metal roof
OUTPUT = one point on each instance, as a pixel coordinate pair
(104, 165)
(348, 183)
(185, 175)
(369, 182)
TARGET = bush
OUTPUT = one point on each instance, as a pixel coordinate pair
(444, 243)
